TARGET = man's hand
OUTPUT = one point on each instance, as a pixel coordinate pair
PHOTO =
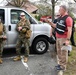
(46, 20)
(4, 37)
(50, 23)
(67, 42)
(19, 28)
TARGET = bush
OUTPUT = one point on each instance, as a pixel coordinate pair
(38, 17)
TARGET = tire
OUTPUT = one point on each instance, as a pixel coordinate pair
(40, 45)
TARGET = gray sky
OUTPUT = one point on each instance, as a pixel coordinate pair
(3, 2)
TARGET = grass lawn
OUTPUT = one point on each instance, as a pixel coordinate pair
(71, 67)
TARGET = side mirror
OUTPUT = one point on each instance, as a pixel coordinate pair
(31, 21)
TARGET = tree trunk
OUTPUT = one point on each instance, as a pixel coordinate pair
(53, 9)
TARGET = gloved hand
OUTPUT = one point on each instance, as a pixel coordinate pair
(24, 30)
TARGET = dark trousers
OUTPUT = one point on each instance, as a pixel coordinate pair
(72, 38)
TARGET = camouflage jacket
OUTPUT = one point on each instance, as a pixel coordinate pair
(4, 30)
(23, 23)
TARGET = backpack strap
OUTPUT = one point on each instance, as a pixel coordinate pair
(65, 17)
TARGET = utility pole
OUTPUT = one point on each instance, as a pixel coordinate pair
(53, 8)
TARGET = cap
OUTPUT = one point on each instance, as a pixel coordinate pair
(22, 13)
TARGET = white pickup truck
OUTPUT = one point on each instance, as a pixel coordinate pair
(40, 31)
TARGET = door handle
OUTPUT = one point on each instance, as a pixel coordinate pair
(9, 28)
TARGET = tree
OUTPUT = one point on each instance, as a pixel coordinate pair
(53, 8)
(53, 2)
(44, 10)
(43, 0)
(17, 3)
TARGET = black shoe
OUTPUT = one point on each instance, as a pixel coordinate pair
(58, 67)
(69, 53)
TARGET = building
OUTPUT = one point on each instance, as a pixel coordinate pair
(29, 7)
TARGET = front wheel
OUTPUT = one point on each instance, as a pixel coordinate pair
(40, 45)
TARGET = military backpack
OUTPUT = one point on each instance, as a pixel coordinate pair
(1, 29)
(28, 34)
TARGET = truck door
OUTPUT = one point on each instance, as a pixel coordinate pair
(12, 21)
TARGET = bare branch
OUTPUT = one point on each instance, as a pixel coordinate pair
(74, 0)
(10, 2)
(56, 1)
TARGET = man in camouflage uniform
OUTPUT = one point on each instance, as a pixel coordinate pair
(22, 26)
(2, 38)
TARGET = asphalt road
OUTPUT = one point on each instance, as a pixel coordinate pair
(37, 64)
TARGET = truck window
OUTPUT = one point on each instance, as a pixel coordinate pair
(2, 15)
(15, 16)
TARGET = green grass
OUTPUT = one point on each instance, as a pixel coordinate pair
(75, 21)
(71, 67)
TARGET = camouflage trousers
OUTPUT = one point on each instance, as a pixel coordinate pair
(62, 54)
(21, 42)
(1, 47)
